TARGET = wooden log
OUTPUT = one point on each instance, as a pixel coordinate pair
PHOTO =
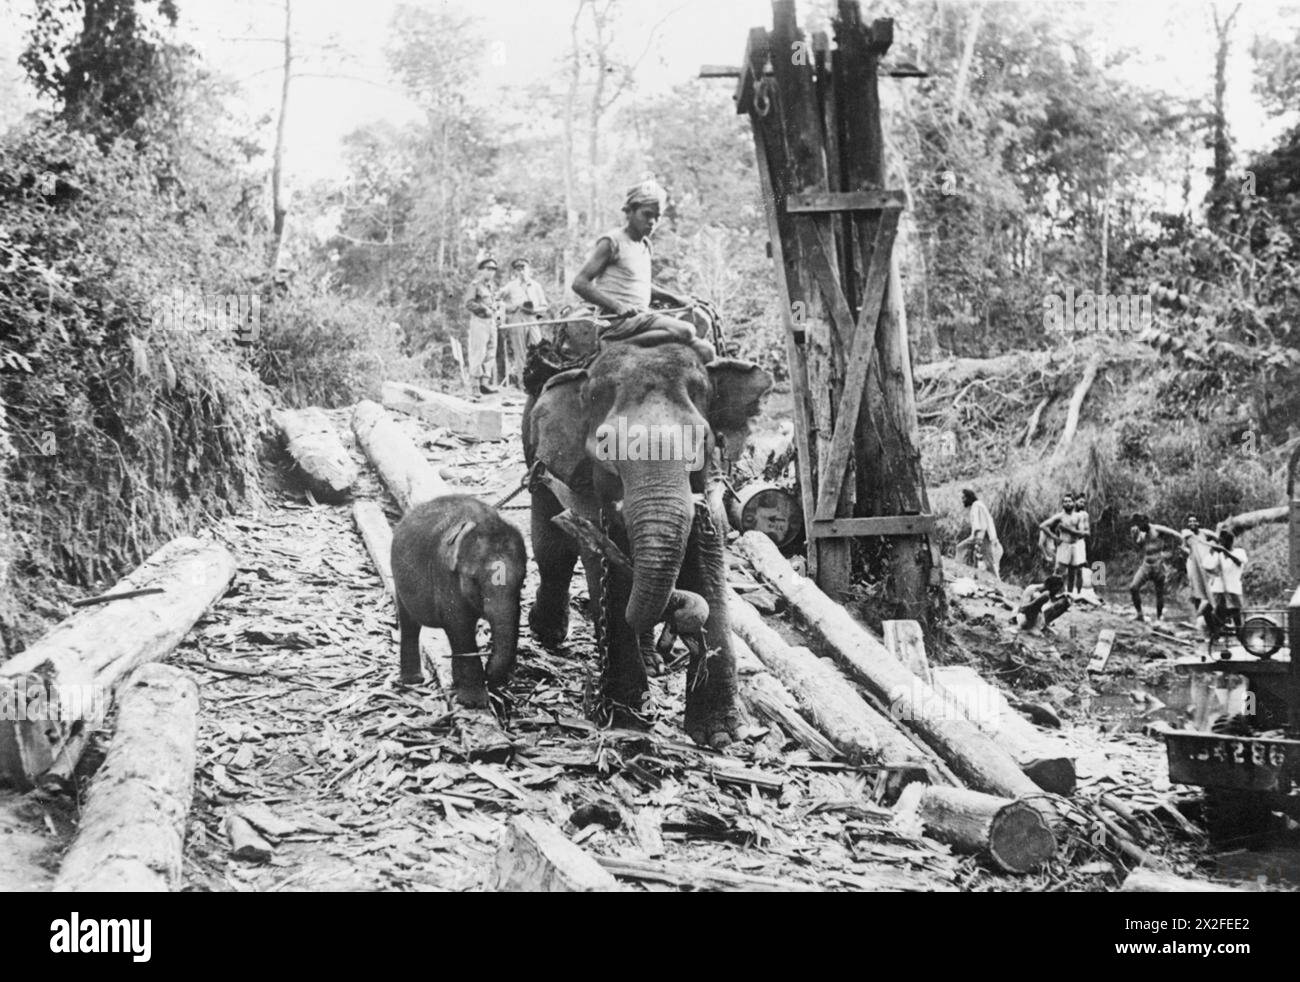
(825, 698)
(469, 420)
(971, 754)
(1076, 403)
(535, 857)
(377, 534)
(407, 475)
(771, 700)
(1013, 834)
(1144, 879)
(1046, 759)
(906, 643)
(133, 825)
(688, 876)
(1252, 519)
(64, 682)
(322, 463)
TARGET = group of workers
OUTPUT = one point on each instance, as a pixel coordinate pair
(1214, 563)
(615, 280)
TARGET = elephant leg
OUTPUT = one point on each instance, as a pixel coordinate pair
(555, 553)
(409, 660)
(712, 715)
(469, 684)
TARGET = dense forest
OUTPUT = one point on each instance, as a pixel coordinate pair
(1033, 165)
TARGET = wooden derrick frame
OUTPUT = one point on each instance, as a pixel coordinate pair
(815, 114)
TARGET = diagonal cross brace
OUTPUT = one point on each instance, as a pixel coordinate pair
(857, 366)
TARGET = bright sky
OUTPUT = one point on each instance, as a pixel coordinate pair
(524, 41)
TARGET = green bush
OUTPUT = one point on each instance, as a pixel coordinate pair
(326, 351)
(127, 428)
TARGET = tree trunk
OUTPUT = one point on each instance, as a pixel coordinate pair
(1014, 834)
(827, 699)
(132, 830)
(1076, 404)
(1251, 519)
(407, 475)
(309, 439)
(963, 67)
(279, 210)
(66, 680)
(570, 175)
(972, 755)
(1046, 760)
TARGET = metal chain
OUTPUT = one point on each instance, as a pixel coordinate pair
(527, 480)
(602, 607)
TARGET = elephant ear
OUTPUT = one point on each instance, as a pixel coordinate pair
(451, 542)
(738, 390)
(559, 425)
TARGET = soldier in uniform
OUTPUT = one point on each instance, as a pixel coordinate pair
(484, 305)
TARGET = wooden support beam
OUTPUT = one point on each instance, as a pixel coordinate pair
(838, 201)
(882, 525)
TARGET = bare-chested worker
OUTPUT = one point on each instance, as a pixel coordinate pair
(616, 278)
(1066, 529)
(1150, 537)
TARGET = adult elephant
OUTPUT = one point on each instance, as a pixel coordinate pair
(627, 444)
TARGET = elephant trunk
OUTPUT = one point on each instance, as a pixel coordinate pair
(504, 620)
(657, 510)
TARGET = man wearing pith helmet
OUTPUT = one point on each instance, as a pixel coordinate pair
(524, 300)
(484, 306)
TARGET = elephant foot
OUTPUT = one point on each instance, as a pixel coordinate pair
(650, 656)
(714, 727)
(624, 717)
(411, 678)
(549, 635)
(470, 696)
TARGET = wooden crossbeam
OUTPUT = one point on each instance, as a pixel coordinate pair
(838, 528)
(838, 201)
(859, 361)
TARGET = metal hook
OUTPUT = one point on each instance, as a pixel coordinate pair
(762, 101)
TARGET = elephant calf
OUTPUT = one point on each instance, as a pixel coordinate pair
(455, 560)
(630, 440)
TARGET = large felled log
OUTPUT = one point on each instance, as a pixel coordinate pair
(377, 534)
(1144, 879)
(825, 697)
(1047, 760)
(971, 754)
(65, 681)
(465, 419)
(535, 857)
(1014, 834)
(309, 439)
(133, 826)
(1251, 519)
(407, 475)
(771, 700)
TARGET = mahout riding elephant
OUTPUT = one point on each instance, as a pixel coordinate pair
(627, 443)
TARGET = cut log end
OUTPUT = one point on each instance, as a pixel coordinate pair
(1013, 833)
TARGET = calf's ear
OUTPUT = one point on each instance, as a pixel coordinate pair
(452, 540)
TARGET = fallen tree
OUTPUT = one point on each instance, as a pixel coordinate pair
(1252, 519)
(824, 696)
(409, 478)
(1076, 403)
(1013, 834)
(323, 465)
(971, 754)
(132, 828)
(52, 693)
(1047, 760)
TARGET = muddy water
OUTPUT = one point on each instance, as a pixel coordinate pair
(1130, 704)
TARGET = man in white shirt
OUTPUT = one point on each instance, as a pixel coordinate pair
(983, 535)
(523, 298)
(1225, 566)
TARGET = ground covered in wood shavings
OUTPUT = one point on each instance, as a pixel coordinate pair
(355, 783)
